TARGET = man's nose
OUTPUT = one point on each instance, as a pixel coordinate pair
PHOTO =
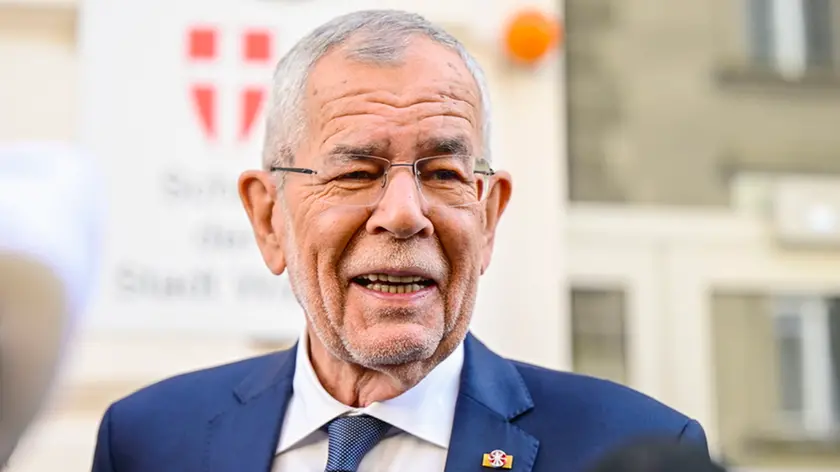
(401, 210)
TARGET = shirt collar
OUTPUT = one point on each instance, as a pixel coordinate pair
(426, 411)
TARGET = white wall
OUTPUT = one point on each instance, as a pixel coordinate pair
(522, 311)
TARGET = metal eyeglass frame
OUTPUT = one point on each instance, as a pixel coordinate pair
(413, 165)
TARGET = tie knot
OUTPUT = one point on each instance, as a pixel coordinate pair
(351, 437)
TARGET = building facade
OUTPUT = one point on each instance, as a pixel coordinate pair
(703, 170)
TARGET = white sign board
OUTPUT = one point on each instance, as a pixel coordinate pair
(174, 96)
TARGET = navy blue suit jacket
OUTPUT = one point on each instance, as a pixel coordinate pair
(228, 418)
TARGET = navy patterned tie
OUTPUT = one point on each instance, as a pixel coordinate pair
(351, 437)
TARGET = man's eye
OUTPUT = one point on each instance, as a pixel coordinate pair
(445, 175)
(358, 175)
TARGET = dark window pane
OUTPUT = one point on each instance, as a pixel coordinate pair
(789, 348)
(598, 333)
(834, 339)
(818, 36)
(760, 28)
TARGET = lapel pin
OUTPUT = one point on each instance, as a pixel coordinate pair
(497, 459)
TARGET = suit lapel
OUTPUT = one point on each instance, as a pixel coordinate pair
(492, 395)
(243, 438)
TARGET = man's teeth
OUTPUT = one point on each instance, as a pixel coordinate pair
(395, 283)
(402, 288)
(402, 279)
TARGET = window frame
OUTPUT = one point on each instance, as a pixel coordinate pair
(819, 417)
(781, 36)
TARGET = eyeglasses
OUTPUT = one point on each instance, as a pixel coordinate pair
(353, 180)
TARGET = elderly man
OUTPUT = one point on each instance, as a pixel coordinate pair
(378, 198)
(49, 238)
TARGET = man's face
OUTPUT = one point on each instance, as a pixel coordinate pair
(32, 320)
(401, 113)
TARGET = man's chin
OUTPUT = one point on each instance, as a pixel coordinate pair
(394, 346)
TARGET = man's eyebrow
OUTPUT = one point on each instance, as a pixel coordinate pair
(350, 150)
(440, 146)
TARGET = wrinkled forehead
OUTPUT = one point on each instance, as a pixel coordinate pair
(423, 63)
(427, 103)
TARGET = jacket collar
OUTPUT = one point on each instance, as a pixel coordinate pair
(243, 438)
(493, 395)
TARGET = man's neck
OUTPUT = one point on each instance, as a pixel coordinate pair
(354, 385)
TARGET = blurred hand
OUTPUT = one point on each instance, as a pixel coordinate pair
(49, 225)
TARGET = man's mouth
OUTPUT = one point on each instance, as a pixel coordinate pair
(387, 283)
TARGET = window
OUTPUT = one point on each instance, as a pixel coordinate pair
(776, 360)
(807, 345)
(790, 36)
(598, 333)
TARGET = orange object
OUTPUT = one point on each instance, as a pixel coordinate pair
(530, 35)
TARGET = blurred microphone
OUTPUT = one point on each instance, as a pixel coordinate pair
(657, 455)
(50, 218)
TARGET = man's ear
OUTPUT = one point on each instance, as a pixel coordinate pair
(258, 193)
(494, 207)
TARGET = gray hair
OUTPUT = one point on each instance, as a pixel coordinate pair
(386, 34)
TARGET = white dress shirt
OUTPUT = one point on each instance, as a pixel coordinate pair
(421, 421)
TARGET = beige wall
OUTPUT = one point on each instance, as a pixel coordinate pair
(665, 107)
(666, 110)
(38, 79)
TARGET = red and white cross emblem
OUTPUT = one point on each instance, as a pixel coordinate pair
(228, 64)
